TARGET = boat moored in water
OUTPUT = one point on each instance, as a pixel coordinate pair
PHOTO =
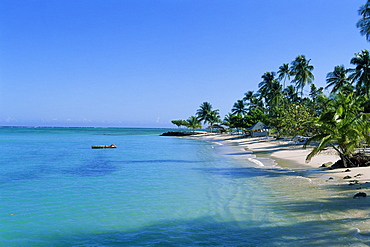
(104, 146)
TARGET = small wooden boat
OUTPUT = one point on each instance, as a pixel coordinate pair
(104, 146)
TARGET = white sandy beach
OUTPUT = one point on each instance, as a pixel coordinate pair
(290, 155)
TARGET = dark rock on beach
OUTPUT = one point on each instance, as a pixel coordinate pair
(327, 164)
(357, 160)
(360, 194)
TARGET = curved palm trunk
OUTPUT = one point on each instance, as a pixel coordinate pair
(345, 158)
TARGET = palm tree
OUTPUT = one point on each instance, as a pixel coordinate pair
(291, 94)
(252, 100)
(302, 72)
(204, 111)
(266, 84)
(229, 121)
(193, 123)
(270, 90)
(338, 79)
(276, 94)
(364, 22)
(239, 108)
(341, 127)
(248, 96)
(214, 117)
(361, 73)
(284, 73)
(207, 115)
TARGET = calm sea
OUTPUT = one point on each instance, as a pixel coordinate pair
(160, 191)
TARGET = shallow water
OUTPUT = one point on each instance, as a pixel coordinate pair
(161, 191)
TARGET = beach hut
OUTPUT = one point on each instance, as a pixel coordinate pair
(259, 129)
(217, 126)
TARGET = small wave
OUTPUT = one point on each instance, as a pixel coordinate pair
(218, 143)
(257, 162)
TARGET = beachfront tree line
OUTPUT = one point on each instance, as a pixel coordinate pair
(340, 119)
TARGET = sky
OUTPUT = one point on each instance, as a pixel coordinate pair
(143, 63)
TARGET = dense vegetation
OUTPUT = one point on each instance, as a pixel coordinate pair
(340, 119)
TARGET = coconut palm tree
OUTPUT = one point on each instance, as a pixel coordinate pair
(252, 100)
(361, 74)
(364, 22)
(203, 113)
(341, 127)
(214, 117)
(291, 94)
(193, 123)
(302, 72)
(270, 90)
(248, 96)
(233, 121)
(338, 79)
(284, 73)
(266, 84)
(206, 114)
(239, 108)
(228, 120)
(315, 91)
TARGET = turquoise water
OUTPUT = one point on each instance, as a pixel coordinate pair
(156, 191)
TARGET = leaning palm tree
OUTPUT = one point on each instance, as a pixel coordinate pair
(338, 79)
(284, 73)
(341, 127)
(302, 72)
(364, 22)
(361, 73)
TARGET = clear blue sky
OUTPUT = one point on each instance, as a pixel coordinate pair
(143, 63)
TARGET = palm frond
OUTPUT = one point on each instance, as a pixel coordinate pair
(325, 140)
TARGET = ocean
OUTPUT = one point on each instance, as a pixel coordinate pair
(55, 190)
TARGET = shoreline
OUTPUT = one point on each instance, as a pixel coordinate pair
(339, 200)
(292, 156)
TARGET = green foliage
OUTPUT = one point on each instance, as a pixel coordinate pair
(340, 121)
(206, 114)
(193, 123)
(294, 119)
(270, 90)
(255, 115)
(234, 121)
(343, 126)
(284, 73)
(361, 73)
(239, 108)
(338, 79)
(364, 23)
(302, 72)
(179, 123)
